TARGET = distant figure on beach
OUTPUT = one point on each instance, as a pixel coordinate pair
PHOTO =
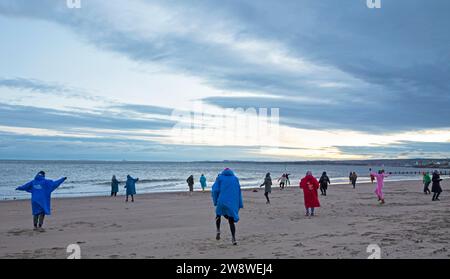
(227, 198)
(41, 190)
(203, 182)
(288, 181)
(190, 182)
(267, 187)
(282, 181)
(436, 187)
(353, 179)
(114, 186)
(350, 178)
(131, 187)
(324, 181)
(372, 179)
(380, 176)
(310, 185)
(426, 183)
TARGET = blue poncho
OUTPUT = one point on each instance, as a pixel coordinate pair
(41, 190)
(131, 185)
(203, 181)
(226, 195)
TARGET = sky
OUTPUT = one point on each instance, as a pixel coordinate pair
(169, 80)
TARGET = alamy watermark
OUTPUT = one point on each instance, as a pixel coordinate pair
(74, 252)
(228, 127)
(373, 4)
(73, 4)
(375, 252)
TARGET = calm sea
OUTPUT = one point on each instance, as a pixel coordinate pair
(93, 178)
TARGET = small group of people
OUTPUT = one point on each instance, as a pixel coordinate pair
(436, 186)
(309, 184)
(190, 182)
(130, 186)
(284, 181)
(226, 194)
(352, 178)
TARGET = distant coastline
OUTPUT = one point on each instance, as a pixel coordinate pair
(439, 163)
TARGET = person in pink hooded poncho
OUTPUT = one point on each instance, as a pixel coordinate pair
(380, 176)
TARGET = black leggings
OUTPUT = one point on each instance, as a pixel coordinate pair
(113, 194)
(266, 194)
(232, 226)
(426, 190)
(38, 219)
(436, 196)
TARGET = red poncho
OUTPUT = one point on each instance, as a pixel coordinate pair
(309, 184)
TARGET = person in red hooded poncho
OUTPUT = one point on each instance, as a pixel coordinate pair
(309, 184)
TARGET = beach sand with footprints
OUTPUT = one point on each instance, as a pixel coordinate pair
(174, 225)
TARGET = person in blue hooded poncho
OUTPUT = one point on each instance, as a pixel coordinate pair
(227, 198)
(131, 187)
(41, 190)
(203, 182)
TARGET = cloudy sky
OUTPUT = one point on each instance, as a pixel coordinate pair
(124, 79)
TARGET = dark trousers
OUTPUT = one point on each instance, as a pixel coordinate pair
(266, 194)
(230, 221)
(426, 190)
(38, 219)
(436, 196)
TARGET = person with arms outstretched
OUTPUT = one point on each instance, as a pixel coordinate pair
(380, 176)
(130, 185)
(41, 190)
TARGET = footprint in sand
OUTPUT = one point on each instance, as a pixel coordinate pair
(21, 232)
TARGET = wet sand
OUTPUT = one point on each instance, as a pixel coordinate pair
(174, 225)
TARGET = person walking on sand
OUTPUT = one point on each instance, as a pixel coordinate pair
(41, 190)
(324, 181)
(114, 186)
(380, 176)
(267, 187)
(288, 181)
(190, 182)
(310, 185)
(436, 187)
(203, 182)
(372, 179)
(227, 198)
(350, 178)
(354, 177)
(282, 181)
(130, 185)
(426, 183)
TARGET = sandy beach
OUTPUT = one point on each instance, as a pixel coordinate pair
(174, 225)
